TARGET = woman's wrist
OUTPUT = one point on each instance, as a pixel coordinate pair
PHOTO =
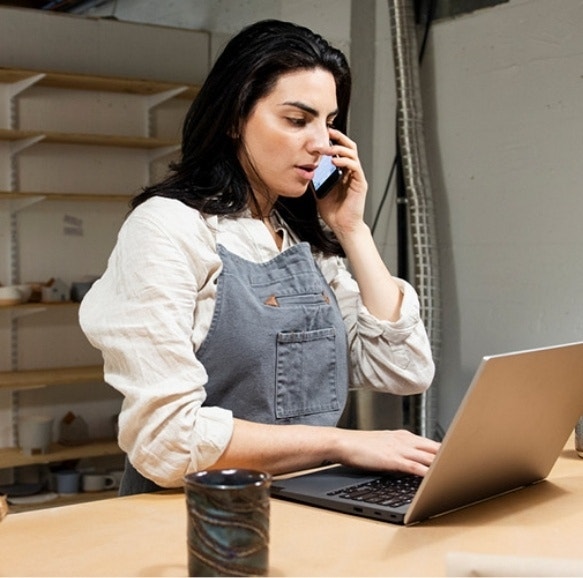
(335, 446)
(354, 236)
(380, 293)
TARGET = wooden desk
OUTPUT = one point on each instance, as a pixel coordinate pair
(145, 535)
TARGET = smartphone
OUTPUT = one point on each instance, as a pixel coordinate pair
(325, 177)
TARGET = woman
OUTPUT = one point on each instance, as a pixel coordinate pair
(226, 316)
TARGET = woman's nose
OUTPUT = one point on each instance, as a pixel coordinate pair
(320, 141)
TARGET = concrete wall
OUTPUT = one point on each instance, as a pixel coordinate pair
(504, 99)
(53, 41)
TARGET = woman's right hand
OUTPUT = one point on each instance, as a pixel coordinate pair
(398, 450)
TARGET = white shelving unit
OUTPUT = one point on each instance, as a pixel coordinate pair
(73, 149)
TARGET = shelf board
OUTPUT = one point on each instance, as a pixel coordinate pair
(14, 457)
(50, 196)
(105, 140)
(63, 500)
(92, 82)
(32, 305)
(47, 377)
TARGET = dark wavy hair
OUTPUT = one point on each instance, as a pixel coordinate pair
(209, 176)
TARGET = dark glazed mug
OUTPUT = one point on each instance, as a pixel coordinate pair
(228, 522)
(579, 437)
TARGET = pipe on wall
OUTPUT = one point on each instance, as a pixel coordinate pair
(415, 173)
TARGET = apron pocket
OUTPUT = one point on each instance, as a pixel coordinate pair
(306, 373)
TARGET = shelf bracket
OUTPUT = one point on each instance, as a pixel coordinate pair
(18, 146)
(158, 153)
(154, 100)
(15, 89)
(21, 85)
(16, 204)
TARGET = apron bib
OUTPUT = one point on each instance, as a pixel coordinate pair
(276, 351)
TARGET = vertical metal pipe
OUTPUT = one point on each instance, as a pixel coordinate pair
(413, 157)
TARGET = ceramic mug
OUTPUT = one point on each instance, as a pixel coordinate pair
(95, 482)
(228, 522)
(35, 434)
(117, 475)
(579, 437)
(67, 481)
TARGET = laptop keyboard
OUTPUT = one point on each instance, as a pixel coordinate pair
(384, 491)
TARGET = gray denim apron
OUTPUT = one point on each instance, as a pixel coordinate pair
(276, 351)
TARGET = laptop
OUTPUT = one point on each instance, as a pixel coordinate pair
(509, 430)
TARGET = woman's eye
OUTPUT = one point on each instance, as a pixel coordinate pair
(297, 121)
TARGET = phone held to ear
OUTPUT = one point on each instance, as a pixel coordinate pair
(325, 177)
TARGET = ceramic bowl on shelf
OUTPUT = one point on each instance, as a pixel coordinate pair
(15, 294)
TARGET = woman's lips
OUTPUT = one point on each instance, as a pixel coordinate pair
(306, 171)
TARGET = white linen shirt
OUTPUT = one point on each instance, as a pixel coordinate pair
(152, 308)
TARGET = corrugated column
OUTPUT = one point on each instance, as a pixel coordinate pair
(418, 189)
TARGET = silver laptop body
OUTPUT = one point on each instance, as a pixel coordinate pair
(509, 430)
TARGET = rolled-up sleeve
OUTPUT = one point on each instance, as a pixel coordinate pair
(140, 314)
(393, 357)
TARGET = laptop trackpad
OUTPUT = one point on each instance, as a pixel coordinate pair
(323, 481)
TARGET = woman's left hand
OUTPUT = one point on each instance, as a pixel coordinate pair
(342, 209)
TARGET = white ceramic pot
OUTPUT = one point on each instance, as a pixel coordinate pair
(10, 295)
(15, 294)
(35, 434)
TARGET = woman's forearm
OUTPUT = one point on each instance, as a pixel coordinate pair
(380, 293)
(284, 448)
(278, 448)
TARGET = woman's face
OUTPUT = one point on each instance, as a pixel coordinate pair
(285, 134)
